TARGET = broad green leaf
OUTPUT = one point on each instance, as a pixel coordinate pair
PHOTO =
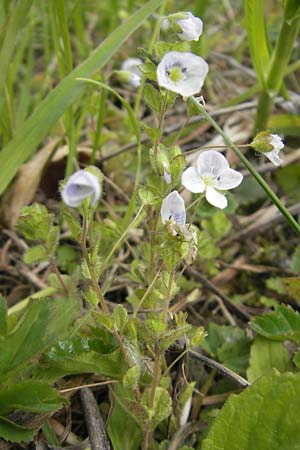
(42, 323)
(123, 430)
(33, 396)
(10, 431)
(45, 116)
(280, 325)
(264, 416)
(109, 365)
(3, 316)
(266, 355)
(229, 344)
(255, 24)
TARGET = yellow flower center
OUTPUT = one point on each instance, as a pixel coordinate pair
(208, 180)
(176, 73)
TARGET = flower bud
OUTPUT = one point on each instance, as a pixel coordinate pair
(188, 27)
(268, 144)
(160, 163)
(82, 185)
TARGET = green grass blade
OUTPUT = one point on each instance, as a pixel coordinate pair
(14, 24)
(258, 45)
(34, 130)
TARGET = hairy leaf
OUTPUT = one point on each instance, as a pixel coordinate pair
(280, 325)
(266, 355)
(264, 416)
(33, 396)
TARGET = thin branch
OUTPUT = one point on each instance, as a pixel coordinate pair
(220, 368)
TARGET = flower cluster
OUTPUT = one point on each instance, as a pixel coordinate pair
(211, 175)
(183, 72)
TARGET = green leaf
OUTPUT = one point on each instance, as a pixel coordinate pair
(266, 355)
(255, 24)
(264, 416)
(131, 435)
(16, 20)
(120, 317)
(35, 254)
(3, 316)
(153, 98)
(33, 396)
(229, 344)
(45, 116)
(163, 47)
(280, 325)
(35, 222)
(10, 431)
(147, 197)
(109, 365)
(44, 321)
(218, 226)
(162, 406)
(296, 359)
(73, 223)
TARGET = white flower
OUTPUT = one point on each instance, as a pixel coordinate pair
(173, 208)
(191, 27)
(211, 175)
(81, 185)
(277, 144)
(134, 75)
(182, 72)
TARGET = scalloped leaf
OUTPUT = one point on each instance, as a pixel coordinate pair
(33, 396)
(280, 325)
(11, 431)
(264, 416)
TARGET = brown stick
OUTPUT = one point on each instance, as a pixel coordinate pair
(95, 426)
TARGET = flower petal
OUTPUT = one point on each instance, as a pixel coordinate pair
(191, 180)
(173, 207)
(215, 198)
(212, 163)
(277, 142)
(273, 156)
(228, 179)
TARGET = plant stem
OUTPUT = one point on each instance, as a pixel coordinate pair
(279, 62)
(150, 49)
(168, 294)
(59, 277)
(131, 225)
(290, 219)
(152, 399)
(90, 266)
